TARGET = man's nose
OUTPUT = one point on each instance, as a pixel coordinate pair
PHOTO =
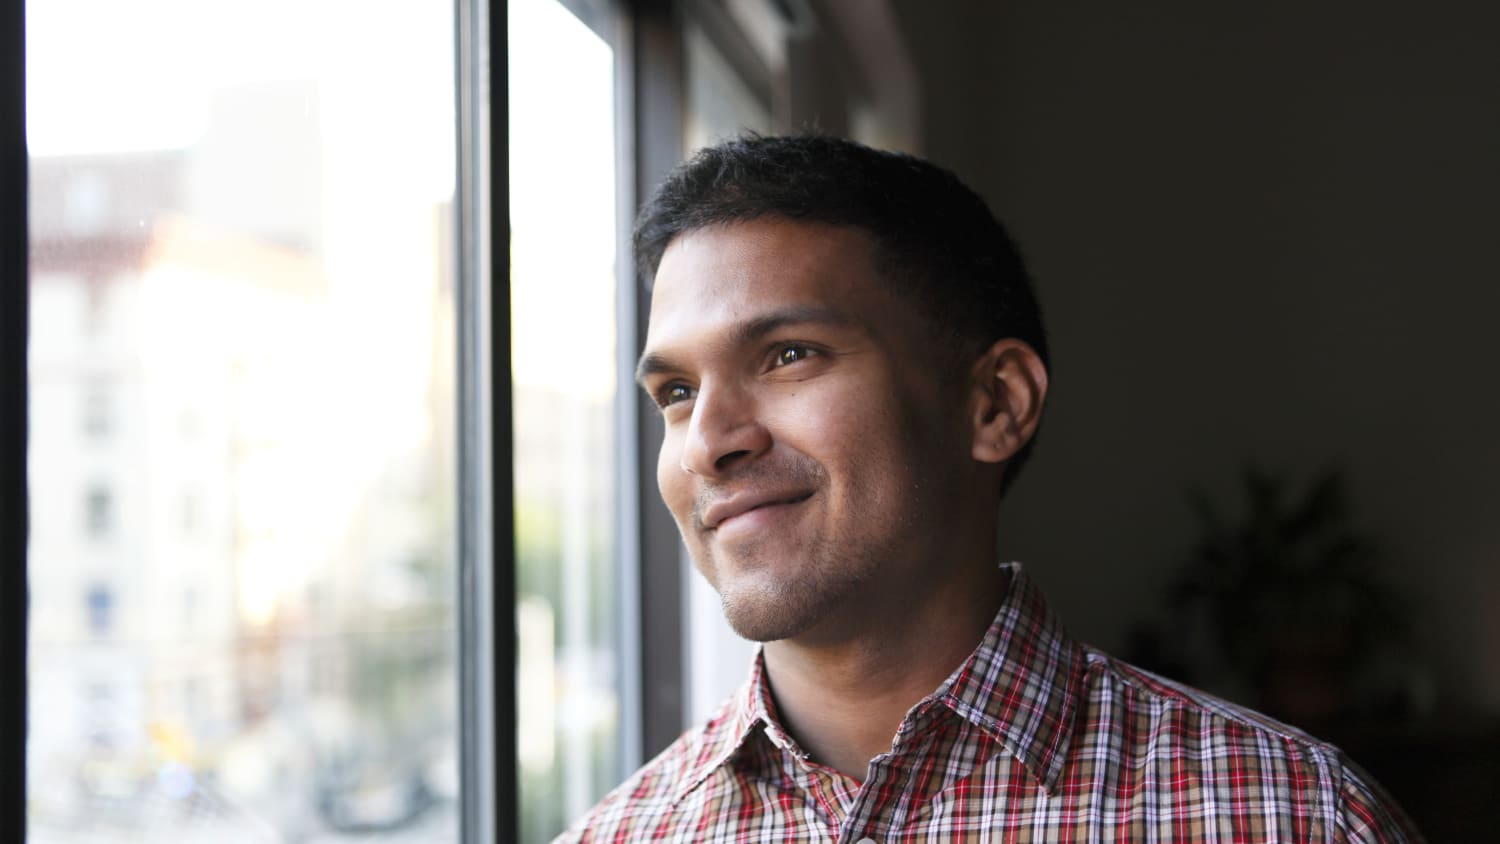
(725, 431)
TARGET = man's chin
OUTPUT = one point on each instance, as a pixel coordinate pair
(758, 628)
(772, 614)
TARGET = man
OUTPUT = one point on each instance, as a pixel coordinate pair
(851, 367)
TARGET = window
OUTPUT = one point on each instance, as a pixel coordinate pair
(242, 214)
(564, 367)
(254, 559)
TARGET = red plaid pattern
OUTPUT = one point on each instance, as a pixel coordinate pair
(1035, 738)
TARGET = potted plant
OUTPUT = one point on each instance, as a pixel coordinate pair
(1289, 597)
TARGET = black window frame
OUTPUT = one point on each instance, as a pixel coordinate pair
(14, 316)
(488, 781)
(654, 137)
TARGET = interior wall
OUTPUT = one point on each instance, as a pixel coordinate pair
(1260, 232)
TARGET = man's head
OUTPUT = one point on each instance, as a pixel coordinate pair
(938, 245)
(848, 359)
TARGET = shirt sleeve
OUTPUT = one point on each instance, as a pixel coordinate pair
(1367, 815)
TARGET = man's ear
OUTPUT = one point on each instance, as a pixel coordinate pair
(1008, 386)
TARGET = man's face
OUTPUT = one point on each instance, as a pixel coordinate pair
(810, 441)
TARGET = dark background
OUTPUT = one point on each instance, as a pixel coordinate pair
(1264, 233)
(1261, 232)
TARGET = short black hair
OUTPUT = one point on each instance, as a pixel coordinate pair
(938, 243)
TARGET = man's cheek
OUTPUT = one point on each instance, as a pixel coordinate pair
(668, 462)
(672, 481)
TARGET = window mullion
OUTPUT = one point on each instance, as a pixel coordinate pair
(14, 311)
(487, 693)
(658, 133)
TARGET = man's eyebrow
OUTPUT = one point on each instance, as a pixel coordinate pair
(751, 330)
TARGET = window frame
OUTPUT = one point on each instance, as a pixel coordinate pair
(14, 316)
(489, 800)
(656, 112)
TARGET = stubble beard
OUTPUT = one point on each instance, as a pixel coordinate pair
(780, 599)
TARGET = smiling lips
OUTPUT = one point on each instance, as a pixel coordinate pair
(740, 504)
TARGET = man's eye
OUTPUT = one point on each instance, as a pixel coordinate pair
(674, 394)
(792, 354)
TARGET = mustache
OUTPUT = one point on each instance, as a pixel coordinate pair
(787, 474)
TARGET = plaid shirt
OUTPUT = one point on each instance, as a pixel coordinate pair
(1034, 738)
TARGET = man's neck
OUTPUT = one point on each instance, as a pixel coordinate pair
(844, 698)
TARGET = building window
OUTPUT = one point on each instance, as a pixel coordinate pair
(99, 513)
(189, 514)
(98, 300)
(100, 602)
(98, 410)
(189, 608)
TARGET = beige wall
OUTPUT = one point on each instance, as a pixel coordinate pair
(1267, 231)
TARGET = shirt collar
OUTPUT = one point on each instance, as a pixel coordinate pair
(1024, 682)
(1022, 685)
(737, 719)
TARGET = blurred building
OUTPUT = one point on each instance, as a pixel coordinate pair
(218, 607)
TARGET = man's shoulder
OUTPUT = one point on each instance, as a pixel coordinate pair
(1213, 745)
(1181, 720)
(1174, 702)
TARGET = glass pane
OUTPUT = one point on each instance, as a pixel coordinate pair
(563, 230)
(242, 382)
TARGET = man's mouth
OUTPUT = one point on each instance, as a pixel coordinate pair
(734, 507)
